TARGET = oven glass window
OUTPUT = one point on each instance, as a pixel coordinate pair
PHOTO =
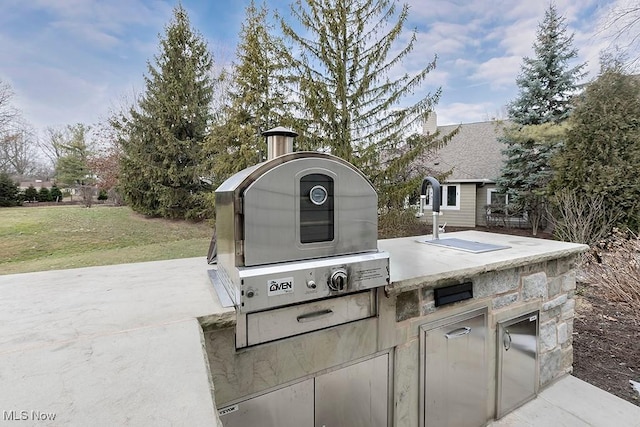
(316, 208)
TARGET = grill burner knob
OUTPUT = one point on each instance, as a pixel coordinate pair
(338, 280)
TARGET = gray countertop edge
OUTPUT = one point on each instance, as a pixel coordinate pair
(433, 280)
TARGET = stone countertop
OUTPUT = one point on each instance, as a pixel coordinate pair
(109, 345)
(62, 305)
(414, 264)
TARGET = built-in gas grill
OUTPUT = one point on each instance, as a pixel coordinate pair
(297, 243)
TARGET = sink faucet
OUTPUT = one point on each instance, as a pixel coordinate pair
(435, 202)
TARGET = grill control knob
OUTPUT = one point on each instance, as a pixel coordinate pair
(338, 280)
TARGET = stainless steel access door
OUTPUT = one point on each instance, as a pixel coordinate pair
(517, 362)
(290, 406)
(453, 379)
(355, 396)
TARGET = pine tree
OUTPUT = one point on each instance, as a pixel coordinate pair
(601, 153)
(8, 191)
(546, 86)
(162, 138)
(341, 71)
(547, 82)
(258, 100)
(31, 194)
(56, 194)
(72, 167)
(44, 195)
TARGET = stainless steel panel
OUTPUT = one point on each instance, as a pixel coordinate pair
(355, 396)
(453, 383)
(282, 284)
(517, 362)
(291, 406)
(272, 213)
(287, 321)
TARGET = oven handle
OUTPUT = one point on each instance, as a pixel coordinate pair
(316, 315)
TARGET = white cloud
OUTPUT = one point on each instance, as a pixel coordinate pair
(460, 112)
(499, 72)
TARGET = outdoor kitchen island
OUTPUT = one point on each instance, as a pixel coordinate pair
(125, 344)
(454, 334)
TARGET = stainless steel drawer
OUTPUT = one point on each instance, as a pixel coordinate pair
(283, 322)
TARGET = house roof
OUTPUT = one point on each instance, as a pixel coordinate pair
(474, 154)
(38, 184)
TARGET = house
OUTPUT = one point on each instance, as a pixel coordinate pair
(474, 158)
(37, 184)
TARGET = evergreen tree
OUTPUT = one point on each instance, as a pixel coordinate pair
(258, 100)
(8, 191)
(72, 168)
(546, 86)
(530, 150)
(162, 138)
(601, 153)
(44, 195)
(547, 81)
(56, 194)
(341, 70)
(31, 194)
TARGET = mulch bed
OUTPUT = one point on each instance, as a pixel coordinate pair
(606, 343)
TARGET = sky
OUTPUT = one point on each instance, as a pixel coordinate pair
(76, 61)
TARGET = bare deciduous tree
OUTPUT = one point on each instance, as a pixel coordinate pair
(17, 148)
(621, 25)
(7, 112)
(51, 145)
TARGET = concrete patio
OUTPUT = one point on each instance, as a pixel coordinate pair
(571, 402)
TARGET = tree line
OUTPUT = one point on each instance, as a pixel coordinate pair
(331, 82)
(327, 70)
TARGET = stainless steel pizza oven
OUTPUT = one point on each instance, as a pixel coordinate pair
(298, 228)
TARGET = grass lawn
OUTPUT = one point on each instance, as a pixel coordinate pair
(57, 237)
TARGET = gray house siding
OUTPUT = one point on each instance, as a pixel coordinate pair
(481, 198)
(463, 217)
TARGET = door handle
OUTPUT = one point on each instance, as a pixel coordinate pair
(505, 343)
(458, 332)
(316, 315)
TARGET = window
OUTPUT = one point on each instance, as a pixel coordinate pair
(449, 197)
(496, 202)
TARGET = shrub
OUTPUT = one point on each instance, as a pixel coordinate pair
(400, 223)
(56, 194)
(8, 191)
(580, 218)
(31, 194)
(102, 195)
(44, 195)
(613, 265)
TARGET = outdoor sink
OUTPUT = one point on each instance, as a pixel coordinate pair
(465, 245)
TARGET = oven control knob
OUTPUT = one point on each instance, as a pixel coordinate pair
(338, 280)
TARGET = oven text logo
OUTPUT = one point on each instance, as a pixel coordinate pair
(280, 286)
